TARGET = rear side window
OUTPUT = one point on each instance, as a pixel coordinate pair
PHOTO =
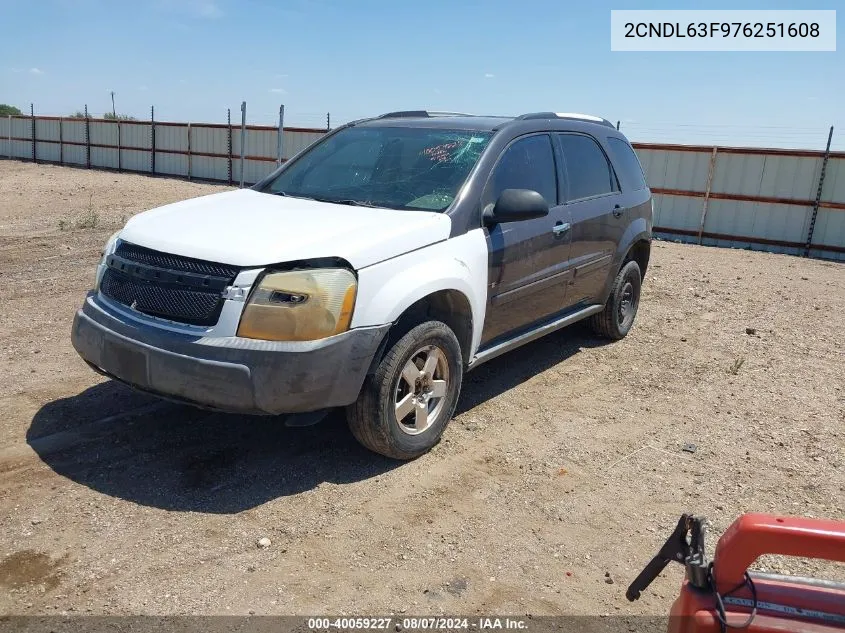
(627, 164)
(587, 169)
(528, 163)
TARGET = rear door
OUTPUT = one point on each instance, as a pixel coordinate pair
(594, 199)
(528, 272)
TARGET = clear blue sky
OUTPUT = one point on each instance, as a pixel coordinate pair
(353, 58)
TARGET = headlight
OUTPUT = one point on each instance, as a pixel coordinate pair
(299, 305)
(108, 249)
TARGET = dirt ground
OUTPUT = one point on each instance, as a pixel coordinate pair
(561, 475)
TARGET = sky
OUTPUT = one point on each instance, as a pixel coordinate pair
(193, 59)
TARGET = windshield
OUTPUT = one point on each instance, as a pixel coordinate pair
(393, 167)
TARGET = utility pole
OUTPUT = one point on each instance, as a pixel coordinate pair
(113, 111)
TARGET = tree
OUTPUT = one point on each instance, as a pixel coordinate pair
(110, 116)
(6, 110)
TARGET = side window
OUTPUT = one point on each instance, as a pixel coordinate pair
(587, 170)
(627, 163)
(528, 163)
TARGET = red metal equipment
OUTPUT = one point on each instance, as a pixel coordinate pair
(723, 594)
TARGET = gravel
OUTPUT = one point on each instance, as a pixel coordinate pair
(565, 461)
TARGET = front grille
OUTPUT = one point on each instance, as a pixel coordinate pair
(168, 286)
(167, 261)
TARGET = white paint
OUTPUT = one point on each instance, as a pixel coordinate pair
(387, 289)
(576, 115)
(248, 228)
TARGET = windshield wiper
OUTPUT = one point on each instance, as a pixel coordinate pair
(356, 203)
(285, 194)
(347, 201)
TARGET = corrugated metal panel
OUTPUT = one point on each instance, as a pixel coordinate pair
(48, 151)
(834, 181)
(73, 131)
(21, 149)
(103, 133)
(135, 135)
(210, 168)
(173, 137)
(73, 154)
(751, 246)
(295, 142)
(104, 157)
(260, 143)
(135, 160)
(209, 140)
(830, 229)
(5, 126)
(47, 130)
(779, 222)
(685, 171)
(171, 164)
(677, 212)
(770, 176)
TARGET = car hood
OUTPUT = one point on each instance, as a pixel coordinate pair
(248, 228)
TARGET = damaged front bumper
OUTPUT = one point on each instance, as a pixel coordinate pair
(232, 374)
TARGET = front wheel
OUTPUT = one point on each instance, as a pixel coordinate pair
(405, 405)
(617, 318)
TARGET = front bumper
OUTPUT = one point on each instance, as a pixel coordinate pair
(226, 373)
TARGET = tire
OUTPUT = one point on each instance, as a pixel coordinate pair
(396, 389)
(617, 318)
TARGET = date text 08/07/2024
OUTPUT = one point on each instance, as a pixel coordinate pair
(417, 623)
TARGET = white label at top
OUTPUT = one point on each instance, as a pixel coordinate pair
(712, 30)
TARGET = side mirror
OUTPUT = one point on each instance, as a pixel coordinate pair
(514, 205)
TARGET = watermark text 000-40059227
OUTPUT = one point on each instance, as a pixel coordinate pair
(712, 30)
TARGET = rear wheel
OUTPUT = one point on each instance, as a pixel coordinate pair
(617, 318)
(405, 405)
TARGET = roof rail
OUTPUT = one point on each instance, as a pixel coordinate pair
(566, 115)
(400, 114)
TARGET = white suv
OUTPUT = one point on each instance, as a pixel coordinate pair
(375, 268)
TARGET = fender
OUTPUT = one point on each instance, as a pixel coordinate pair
(638, 229)
(387, 289)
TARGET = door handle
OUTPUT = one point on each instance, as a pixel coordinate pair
(617, 211)
(561, 228)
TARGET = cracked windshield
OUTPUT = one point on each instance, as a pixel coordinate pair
(398, 168)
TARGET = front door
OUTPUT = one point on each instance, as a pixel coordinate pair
(598, 217)
(528, 271)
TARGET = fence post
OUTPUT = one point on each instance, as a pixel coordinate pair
(32, 130)
(189, 151)
(153, 139)
(9, 148)
(243, 139)
(229, 119)
(281, 140)
(818, 199)
(710, 171)
(87, 139)
(119, 149)
(61, 141)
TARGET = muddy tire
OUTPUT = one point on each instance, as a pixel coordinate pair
(617, 318)
(405, 405)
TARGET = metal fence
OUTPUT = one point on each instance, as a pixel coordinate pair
(789, 201)
(227, 152)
